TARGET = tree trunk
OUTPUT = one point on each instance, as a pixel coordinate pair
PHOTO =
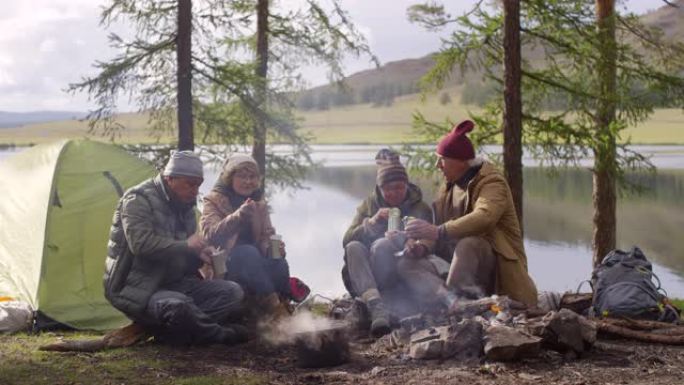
(259, 146)
(512, 130)
(605, 166)
(184, 75)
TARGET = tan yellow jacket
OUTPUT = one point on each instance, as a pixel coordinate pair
(489, 213)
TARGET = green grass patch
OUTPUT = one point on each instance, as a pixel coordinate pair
(22, 363)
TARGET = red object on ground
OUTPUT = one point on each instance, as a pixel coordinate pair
(298, 289)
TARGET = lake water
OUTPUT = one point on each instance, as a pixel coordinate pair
(557, 218)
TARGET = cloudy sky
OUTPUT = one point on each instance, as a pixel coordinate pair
(47, 44)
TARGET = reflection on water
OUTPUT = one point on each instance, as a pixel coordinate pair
(557, 226)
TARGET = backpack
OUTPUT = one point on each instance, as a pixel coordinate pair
(623, 287)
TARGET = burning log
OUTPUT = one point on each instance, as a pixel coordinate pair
(469, 309)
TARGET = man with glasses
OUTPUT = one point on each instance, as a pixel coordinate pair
(153, 257)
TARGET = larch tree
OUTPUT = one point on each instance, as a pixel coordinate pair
(242, 81)
(601, 66)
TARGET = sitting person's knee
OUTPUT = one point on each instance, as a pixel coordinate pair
(356, 249)
(231, 291)
(245, 251)
(383, 246)
(406, 264)
(469, 246)
(171, 310)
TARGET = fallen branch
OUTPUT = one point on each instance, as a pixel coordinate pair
(639, 335)
(642, 324)
(577, 302)
(119, 338)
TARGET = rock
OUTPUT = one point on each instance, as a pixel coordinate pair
(377, 370)
(413, 323)
(399, 338)
(426, 350)
(566, 331)
(428, 334)
(503, 343)
(463, 341)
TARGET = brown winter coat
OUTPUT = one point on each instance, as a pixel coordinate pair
(220, 224)
(489, 213)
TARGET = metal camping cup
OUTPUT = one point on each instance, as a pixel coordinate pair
(405, 221)
(218, 262)
(394, 219)
(275, 246)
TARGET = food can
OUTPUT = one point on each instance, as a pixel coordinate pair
(275, 246)
(394, 220)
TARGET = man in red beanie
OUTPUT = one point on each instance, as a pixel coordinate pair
(476, 226)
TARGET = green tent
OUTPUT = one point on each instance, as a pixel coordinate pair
(56, 206)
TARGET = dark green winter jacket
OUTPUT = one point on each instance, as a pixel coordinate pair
(359, 230)
(147, 246)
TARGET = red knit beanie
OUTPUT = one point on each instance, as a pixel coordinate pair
(456, 145)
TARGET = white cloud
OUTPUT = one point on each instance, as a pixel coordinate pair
(47, 44)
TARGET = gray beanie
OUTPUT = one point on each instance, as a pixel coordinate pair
(239, 160)
(184, 163)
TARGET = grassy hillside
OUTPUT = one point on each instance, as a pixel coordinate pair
(351, 124)
(136, 131)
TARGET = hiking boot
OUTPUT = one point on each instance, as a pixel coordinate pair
(234, 334)
(380, 319)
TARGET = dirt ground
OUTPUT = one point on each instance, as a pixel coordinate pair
(611, 362)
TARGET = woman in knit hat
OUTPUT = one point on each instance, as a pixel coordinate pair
(476, 226)
(235, 219)
(370, 264)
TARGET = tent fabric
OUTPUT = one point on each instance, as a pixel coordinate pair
(56, 210)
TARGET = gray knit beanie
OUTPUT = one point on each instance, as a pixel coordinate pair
(184, 163)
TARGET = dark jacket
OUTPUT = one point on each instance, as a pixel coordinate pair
(147, 247)
(360, 230)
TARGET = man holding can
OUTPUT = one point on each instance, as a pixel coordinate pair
(370, 261)
(476, 227)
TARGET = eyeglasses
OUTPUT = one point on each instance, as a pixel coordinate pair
(247, 176)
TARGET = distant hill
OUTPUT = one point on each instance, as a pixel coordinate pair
(18, 119)
(669, 19)
(381, 85)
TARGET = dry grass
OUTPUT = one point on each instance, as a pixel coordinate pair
(361, 123)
